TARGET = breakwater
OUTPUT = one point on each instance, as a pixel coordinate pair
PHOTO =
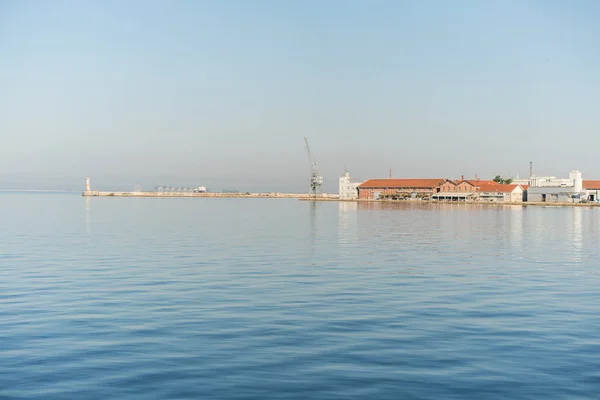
(95, 193)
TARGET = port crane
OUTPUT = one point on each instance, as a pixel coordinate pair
(316, 180)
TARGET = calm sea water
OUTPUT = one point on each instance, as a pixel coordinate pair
(109, 298)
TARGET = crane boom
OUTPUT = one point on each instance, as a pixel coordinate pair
(316, 180)
(311, 161)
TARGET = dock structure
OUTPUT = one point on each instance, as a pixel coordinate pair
(95, 193)
(88, 192)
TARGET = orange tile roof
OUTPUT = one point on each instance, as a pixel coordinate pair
(481, 182)
(458, 181)
(497, 188)
(591, 185)
(401, 183)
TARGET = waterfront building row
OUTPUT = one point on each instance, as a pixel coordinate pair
(438, 189)
(535, 189)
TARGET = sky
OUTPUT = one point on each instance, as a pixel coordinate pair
(222, 93)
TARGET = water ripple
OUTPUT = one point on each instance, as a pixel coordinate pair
(239, 299)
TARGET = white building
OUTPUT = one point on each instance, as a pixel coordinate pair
(521, 181)
(592, 190)
(553, 189)
(500, 193)
(348, 189)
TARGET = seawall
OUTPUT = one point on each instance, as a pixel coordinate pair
(95, 193)
(326, 197)
(491, 203)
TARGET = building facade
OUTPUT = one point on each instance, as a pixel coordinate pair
(592, 190)
(500, 193)
(478, 191)
(456, 186)
(397, 189)
(347, 189)
(450, 190)
(550, 189)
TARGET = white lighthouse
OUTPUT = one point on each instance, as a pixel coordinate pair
(87, 184)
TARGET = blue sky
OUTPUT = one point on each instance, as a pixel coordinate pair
(221, 93)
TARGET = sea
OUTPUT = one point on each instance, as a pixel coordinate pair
(198, 298)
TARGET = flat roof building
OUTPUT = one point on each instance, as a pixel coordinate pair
(552, 189)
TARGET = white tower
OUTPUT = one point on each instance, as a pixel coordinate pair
(575, 176)
(87, 184)
(347, 188)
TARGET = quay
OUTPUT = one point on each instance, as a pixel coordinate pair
(459, 203)
(271, 195)
(325, 197)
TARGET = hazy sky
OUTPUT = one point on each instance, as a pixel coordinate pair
(221, 93)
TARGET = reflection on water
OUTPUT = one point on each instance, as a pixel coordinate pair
(247, 298)
(347, 222)
(576, 231)
(88, 222)
(312, 209)
(516, 234)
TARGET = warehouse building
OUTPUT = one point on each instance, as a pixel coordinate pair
(592, 190)
(500, 193)
(477, 191)
(450, 190)
(553, 190)
(398, 189)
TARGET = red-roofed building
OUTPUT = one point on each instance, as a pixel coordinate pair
(591, 185)
(439, 189)
(456, 186)
(398, 188)
(476, 190)
(501, 193)
(479, 182)
(592, 190)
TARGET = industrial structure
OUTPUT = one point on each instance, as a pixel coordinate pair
(553, 189)
(524, 181)
(316, 180)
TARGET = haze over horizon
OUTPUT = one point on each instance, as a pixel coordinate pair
(221, 94)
